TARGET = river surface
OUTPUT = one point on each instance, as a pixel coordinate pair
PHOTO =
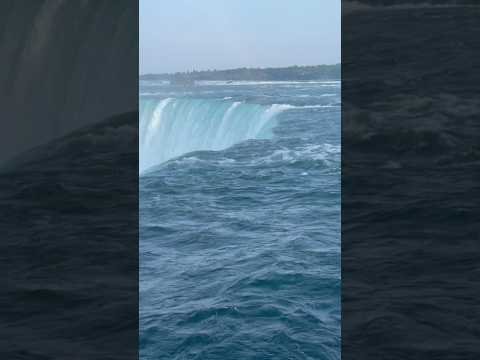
(240, 220)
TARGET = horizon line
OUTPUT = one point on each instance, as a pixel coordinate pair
(236, 68)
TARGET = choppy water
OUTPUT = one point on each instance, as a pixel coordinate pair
(411, 182)
(240, 221)
(69, 250)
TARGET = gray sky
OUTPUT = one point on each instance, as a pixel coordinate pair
(180, 35)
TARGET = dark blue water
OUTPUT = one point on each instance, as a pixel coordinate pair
(240, 221)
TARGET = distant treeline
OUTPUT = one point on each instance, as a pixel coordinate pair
(318, 72)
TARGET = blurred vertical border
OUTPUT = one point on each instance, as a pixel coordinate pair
(410, 179)
(69, 179)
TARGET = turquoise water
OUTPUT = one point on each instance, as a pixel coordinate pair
(240, 221)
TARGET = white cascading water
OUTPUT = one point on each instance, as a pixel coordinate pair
(172, 127)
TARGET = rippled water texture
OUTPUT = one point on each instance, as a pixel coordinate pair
(240, 221)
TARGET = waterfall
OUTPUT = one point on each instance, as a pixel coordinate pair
(172, 127)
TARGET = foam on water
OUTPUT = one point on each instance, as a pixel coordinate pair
(275, 83)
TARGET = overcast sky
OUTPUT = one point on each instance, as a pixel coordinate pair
(180, 35)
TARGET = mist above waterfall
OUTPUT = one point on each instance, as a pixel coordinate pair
(64, 64)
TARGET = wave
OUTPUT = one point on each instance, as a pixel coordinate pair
(314, 152)
(356, 6)
(328, 106)
(334, 83)
(172, 127)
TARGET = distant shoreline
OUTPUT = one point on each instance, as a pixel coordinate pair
(291, 73)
